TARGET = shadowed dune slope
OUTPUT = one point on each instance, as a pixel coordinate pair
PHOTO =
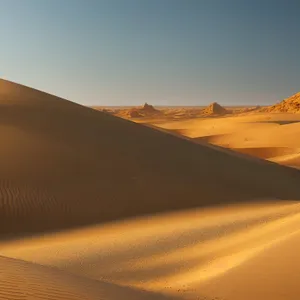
(64, 165)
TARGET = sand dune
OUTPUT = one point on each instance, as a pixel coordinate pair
(270, 274)
(262, 135)
(121, 210)
(92, 167)
(292, 160)
(267, 152)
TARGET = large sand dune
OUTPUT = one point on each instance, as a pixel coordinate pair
(83, 166)
(126, 211)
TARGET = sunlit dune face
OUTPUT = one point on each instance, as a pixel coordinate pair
(173, 250)
(252, 132)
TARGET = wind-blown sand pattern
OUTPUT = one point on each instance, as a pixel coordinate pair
(23, 280)
(179, 254)
(93, 206)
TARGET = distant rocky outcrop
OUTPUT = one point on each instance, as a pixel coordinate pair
(134, 113)
(289, 105)
(146, 110)
(215, 109)
(148, 107)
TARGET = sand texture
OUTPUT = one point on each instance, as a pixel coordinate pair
(194, 203)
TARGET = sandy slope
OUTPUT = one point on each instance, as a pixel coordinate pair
(199, 254)
(63, 166)
(269, 275)
(264, 135)
(23, 280)
(292, 160)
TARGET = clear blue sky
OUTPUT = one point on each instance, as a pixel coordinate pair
(167, 52)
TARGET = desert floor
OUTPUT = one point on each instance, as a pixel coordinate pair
(94, 206)
(270, 136)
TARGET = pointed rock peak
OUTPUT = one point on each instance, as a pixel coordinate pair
(215, 108)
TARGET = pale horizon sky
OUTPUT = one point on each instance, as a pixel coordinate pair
(164, 52)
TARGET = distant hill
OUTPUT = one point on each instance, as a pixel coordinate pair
(215, 109)
(146, 110)
(289, 105)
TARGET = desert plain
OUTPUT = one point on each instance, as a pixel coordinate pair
(196, 203)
